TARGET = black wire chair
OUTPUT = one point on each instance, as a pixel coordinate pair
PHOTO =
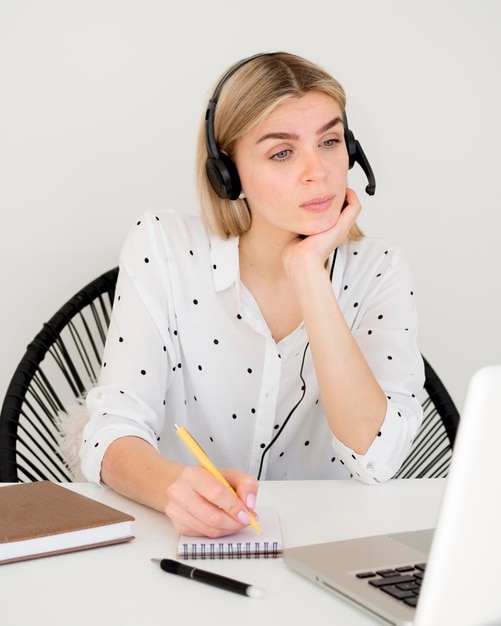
(431, 451)
(63, 362)
(59, 366)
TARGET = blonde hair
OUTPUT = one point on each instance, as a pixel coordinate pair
(248, 96)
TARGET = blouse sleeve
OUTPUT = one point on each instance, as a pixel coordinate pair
(385, 327)
(137, 353)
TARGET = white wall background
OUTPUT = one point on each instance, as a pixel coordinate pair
(100, 102)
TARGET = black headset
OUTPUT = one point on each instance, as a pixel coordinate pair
(222, 172)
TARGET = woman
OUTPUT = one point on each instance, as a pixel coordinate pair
(283, 339)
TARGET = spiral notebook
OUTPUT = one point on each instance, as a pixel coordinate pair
(247, 544)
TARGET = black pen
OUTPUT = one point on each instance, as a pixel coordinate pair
(209, 578)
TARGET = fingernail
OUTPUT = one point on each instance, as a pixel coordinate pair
(243, 517)
(251, 501)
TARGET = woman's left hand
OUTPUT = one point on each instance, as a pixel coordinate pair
(319, 246)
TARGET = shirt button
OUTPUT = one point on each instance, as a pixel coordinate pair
(370, 466)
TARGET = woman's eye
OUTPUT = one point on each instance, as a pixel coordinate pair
(283, 154)
(329, 143)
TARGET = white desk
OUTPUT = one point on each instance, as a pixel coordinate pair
(118, 585)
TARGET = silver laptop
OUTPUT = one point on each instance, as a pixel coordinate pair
(459, 562)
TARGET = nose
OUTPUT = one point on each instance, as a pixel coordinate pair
(313, 167)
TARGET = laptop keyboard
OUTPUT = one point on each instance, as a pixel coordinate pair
(402, 583)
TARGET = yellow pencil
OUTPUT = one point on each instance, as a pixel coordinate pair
(205, 462)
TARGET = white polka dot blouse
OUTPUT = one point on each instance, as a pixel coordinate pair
(188, 344)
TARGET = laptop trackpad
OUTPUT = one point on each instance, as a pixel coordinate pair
(418, 539)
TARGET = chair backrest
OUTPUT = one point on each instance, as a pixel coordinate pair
(63, 362)
(431, 451)
(59, 366)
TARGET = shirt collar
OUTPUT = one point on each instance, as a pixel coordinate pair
(225, 261)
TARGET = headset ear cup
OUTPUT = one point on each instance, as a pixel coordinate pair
(351, 146)
(223, 177)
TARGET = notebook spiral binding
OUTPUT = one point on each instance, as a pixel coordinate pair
(230, 550)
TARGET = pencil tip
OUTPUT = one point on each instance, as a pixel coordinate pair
(255, 525)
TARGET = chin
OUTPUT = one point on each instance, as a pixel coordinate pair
(317, 229)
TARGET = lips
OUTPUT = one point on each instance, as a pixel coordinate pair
(318, 205)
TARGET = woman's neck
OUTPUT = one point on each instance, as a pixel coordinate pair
(263, 273)
(261, 253)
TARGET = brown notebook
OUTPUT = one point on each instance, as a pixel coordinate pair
(43, 518)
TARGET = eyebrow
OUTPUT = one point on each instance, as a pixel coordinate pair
(294, 137)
